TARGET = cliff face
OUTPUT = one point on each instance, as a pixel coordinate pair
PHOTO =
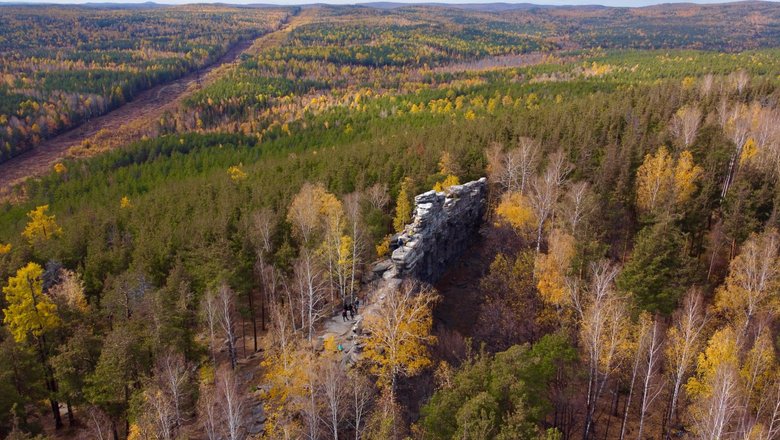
(442, 227)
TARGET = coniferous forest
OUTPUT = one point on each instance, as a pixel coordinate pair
(187, 280)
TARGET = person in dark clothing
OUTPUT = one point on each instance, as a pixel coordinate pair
(344, 314)
(351, 312)
(357, 303)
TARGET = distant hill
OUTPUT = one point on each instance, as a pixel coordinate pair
(484, 7)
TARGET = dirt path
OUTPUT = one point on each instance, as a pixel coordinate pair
(129, 122)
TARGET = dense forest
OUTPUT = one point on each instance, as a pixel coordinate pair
(625, 283)
(60, 66)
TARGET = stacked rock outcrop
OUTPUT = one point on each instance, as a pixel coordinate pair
(443, 224)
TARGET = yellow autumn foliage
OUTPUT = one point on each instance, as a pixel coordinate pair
(41, 226)
(686, 176)
(237, 173)
(550, 269)
(663, 181)
(29, 311)
(448, 181)
(399, 337)
(383, 247)
(753, 283)
(749, 151)
(721, 349)
(516, 211)
(403, 207)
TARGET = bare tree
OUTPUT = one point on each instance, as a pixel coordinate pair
(352, 207)
(601, 334)
(738, 129)
(282, 329)
(559, 166)
(226, 318)
(304, 212)
(378, 196)
(707, 82)
(158, 407)
(753, 275)
(513, 170)
(771, 401)
(651, 387)
(173, 376)
(311, 291)
(638, 346)
(685, 339)
(579, 204)
(263, 222)
(740, 80)
(211, 316)
(766, 134)
(545, 191)
(231, 404)
(527, 158)
(685, 124)
(100, 424)
(544, 195)
(495, 163)
(362, 395)
(310, 407)
(262, 225)
(719, 405)
(208, 410)
(333, 389)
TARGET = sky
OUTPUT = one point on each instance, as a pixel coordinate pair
(297, 2)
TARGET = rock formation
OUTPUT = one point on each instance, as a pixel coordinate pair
(442, 227)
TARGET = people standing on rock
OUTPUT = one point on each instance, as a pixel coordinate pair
(356, 304)
(351, 312)
(344, 313)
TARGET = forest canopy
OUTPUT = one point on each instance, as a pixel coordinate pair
(202, 280)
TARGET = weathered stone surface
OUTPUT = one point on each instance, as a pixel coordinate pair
(442, 226)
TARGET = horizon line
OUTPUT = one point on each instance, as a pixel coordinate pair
(546, 3)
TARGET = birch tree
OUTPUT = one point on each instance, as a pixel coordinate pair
(637, 346)
(685, 124)
(685, 339)
(399, 337)
(231, 403)
(173, 377)
(311, 288)
(579, 205)
(378, 196)
(333, 390)
(544, 195)
(651, 386)
(602, 332)
(737, 128)
(714, 389)
(352, 207)
(753, 282)
(210, 315)
(225, 305)
(362, 395)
